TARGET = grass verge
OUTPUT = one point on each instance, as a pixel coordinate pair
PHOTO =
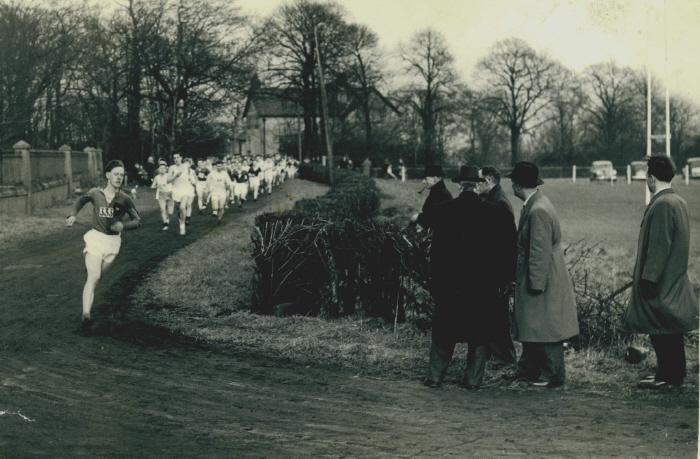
(211, 307)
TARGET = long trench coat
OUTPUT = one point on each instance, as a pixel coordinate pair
(463, 308)
(550, 316)
(662, 257)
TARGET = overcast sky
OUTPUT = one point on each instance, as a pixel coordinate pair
(575, 32)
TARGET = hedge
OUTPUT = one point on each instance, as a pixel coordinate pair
(330, 256)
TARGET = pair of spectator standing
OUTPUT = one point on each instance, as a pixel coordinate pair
(477, 255)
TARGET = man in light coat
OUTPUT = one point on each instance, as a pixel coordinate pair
(544, 304)
(663, 303)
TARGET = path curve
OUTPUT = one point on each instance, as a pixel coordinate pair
(142, 394)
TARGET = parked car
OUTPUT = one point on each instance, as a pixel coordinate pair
(694, 167)
(639, 170)
(603, 170)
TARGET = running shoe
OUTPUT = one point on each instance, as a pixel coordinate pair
(187, 220)
(86, 326)
(165, 227)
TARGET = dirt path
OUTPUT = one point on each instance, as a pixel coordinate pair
(132, 392)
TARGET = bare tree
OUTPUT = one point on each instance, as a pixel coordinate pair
(519, 79)
(291, 53)
(567, 103)
(37, 44)
(476, 119)
(430, 63)
(199, 61)
(612, 115)
(364, 70)
(684, 118)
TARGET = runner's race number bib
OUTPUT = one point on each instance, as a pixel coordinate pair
(106, 212)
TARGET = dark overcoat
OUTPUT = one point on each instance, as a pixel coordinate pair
(497, 196)
(501, 238)
(662, 257)
(440, 245)
(550, 316)
(462, 309)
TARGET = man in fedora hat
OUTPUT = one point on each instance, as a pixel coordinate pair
(433, 179)
(544, 305)
(663, 303)
(462, 313)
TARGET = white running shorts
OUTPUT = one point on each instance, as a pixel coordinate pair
(180, 194)
(102, 245)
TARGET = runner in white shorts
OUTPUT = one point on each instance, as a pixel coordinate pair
(240, 185)
(164, 193)
(103, 241)
(254, 179)
(268, 174)
(182, 177)
(219, 183)
(201, 186)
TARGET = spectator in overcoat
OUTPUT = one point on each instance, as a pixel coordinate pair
(663, 303)
(439, 247)
(544, 304)
(505, 245)
(461, 312)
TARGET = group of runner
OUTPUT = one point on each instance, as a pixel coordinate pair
(217, 181)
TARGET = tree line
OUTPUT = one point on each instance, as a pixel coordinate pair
(152, 77)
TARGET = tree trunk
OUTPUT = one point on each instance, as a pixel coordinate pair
(514, 145)
(368, 122)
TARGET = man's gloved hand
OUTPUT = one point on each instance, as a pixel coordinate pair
(648, 289)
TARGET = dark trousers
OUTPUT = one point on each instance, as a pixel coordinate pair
(441, 352)
(670, 357)
(543, 361)
(502, 347)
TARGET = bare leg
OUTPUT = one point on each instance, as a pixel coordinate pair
(95, 266)
(163, 204)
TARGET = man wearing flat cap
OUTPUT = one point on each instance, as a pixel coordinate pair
(544, 304)
(461, 312)
(663, 303)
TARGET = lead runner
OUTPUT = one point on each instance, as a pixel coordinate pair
(102, 242)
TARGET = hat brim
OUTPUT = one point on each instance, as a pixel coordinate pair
(538, 183)
(468, 179)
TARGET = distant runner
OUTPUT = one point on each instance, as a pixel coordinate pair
(201, 185)
(219, 183)
(102, 242)
(183, 178)
(164, 193)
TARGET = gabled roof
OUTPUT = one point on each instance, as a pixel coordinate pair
(285, 102)
(274, 102)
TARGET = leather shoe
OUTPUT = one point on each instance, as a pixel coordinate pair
(431, 383)
(546, 384)
(656, 384)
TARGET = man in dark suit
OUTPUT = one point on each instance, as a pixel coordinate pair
(434, 179)
(462, 314)
(502, 348)
(439, 247)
